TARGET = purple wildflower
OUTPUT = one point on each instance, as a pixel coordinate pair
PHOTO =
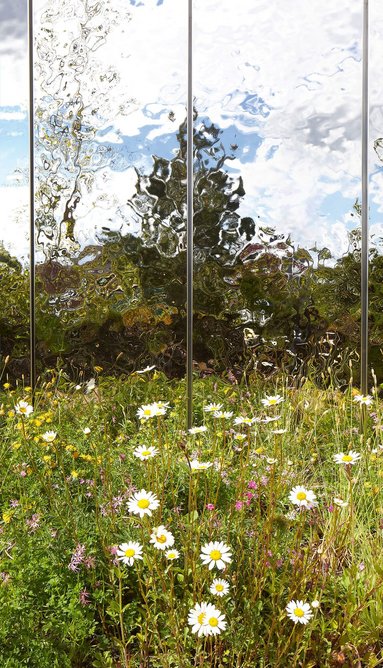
(77, 558)
(84, 597)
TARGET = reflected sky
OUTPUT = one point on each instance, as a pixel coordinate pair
(283, 82)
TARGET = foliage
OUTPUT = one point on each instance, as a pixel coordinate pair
(67, 601)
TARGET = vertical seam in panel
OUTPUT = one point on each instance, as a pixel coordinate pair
(364, 247)
(32, 311)
(189, 226)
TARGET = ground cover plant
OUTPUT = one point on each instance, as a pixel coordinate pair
(253, 540)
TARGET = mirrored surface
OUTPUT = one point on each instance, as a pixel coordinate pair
(277, 165)
(376, 188)
(110, 224)
(14, 221)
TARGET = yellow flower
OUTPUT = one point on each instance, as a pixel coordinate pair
(7, 516)
(74, 474)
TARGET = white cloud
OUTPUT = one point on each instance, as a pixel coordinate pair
(15, 220)
(12, 116)
(289, 73)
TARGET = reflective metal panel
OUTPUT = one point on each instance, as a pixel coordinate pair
(14, 237)
(376, 188)
(277, 195)
(111, 192)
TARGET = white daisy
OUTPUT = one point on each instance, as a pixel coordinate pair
(148, 411)
(142, 503)
(197, 617)
(23, 408)
(197, 430)
(144, 452)
(244, 420)
(363, 400)
(272, 400)
(128, 552)
(161, 405)
(195, 465)
(351, 458)
(212, 408)
(271, 419)
(49, 436)
(86, 431)
(215, 554)
(219, 587)
(161, 538)
(298, 611)
(340, 502)
(223, 415)
(172, 554)
(240, 437)
(315, 604)
(205, 619)
(301, 496)
(279, 431)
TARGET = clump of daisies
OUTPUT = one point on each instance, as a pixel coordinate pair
(155, 409)
(206, 620)
(161, 538)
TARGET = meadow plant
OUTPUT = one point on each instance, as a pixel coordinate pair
(253, 539)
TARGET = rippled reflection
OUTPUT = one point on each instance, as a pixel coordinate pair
(277, 93)
(111, 196)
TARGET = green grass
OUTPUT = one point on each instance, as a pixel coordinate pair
(65, 599)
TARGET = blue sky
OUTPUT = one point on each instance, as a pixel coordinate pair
(285, 90)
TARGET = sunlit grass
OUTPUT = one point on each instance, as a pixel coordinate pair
(126, 541)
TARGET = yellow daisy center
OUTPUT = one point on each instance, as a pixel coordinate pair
(143, 503)
(215, 555)
(298, 612)
(171, 555)
(161, 539)
(272, 402)
(146, 453)
(200, 618)
(347, 458)
(130, 552)
(213, 621)
(22, 409)
(147, 411)
(301, 496)
(219, 587)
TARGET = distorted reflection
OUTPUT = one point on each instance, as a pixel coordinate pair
(111, 197)
(277, 92)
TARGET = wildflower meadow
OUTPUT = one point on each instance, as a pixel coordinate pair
(253, 539)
